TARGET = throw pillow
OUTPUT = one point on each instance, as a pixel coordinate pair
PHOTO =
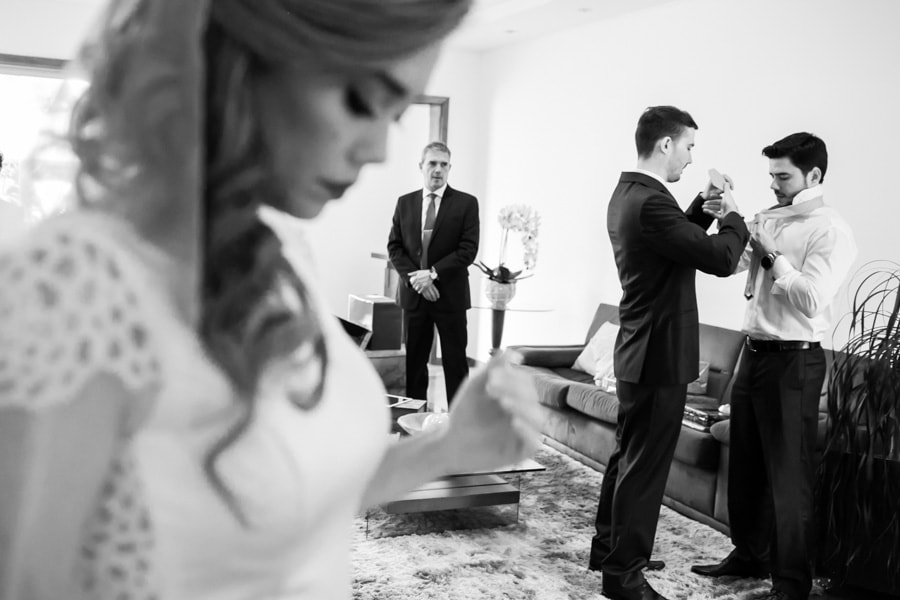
(597, 357)
(698, 386)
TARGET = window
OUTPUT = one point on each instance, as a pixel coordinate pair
(28, 87)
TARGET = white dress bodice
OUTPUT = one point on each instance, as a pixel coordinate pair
(297, 474)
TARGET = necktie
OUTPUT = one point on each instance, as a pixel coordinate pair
(776, 212)
(427, 229)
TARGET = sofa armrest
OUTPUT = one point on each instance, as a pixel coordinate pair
(550, 357)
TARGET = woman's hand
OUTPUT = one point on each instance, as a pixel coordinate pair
(494, 422)
(494, 419)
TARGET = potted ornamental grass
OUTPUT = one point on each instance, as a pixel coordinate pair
(858, 484)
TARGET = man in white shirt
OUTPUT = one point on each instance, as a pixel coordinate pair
(800, 252)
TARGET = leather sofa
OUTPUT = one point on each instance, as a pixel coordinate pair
(580, 418)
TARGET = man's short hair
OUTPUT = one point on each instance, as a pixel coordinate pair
(658, 122)
(805, 151)
(437, 147)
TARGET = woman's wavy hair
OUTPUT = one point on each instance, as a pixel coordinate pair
(244, 321)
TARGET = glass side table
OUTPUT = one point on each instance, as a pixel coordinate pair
(498, 318)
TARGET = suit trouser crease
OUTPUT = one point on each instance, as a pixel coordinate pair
(774, 420)
(631, 492)
(453, 334)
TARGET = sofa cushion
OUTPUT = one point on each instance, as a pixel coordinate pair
(722, 431)
(698, 386)
(605, 313)
(548, 356)
(590, 400)
(550, 386)
(597, 356)
(697, 448)
(574, 375)
(721, 348)
(698, 401)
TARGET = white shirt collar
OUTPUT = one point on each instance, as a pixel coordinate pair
(654, 176)
(808, 194)
(438, 192)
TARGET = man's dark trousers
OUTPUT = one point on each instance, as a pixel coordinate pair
(648, 425)
(774, 421)
(453, 334)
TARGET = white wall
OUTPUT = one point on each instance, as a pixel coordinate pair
(550, 123)
(45, 28)
(561, 113)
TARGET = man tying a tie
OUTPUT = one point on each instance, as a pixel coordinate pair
(433, 240)
(799, 254)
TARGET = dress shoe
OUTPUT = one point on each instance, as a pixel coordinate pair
(644, 592)
(652, 565)
(655, 565)
(773, 594)
(731, 567)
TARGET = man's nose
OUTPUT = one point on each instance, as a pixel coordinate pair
(774, 185)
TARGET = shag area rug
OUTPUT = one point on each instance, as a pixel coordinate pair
(539, 553)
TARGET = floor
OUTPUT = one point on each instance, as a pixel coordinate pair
(437, 400)
(437, 393)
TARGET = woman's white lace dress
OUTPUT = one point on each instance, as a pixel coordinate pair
(80, 296)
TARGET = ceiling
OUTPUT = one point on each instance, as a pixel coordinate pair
(495, 23)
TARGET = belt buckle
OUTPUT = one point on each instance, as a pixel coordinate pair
(750, 345)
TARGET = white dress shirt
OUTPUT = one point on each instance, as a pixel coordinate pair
(794, 300)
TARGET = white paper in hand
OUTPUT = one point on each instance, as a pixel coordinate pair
(717, 179)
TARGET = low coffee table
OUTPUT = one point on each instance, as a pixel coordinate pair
(465, 490)
(459, 490)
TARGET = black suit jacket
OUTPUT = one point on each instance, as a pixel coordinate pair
(453, 247)
(658, 248)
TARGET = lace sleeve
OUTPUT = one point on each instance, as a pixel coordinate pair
(70, 308)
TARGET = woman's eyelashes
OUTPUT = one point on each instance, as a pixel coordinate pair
(357, 103)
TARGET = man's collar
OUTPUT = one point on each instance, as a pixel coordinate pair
(808, 194)
(654, 176)
(438, 192)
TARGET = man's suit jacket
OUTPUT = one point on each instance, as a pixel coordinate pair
(453, 247)
(658, 248)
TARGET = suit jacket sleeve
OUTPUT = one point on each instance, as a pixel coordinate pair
(669, 231)
(399, 257)
(696, 215)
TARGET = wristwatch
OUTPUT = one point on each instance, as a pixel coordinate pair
(433, 274)
(767, 261)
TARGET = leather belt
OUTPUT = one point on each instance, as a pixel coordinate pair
(779, 345)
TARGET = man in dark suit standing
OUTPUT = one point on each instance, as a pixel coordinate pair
(433, 240)
(658, 248)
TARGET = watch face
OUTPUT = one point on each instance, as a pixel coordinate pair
(766, 262)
